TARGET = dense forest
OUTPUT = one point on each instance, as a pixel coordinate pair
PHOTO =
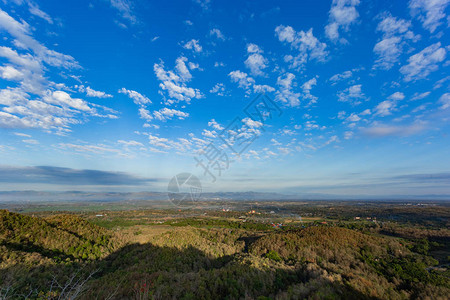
(65, 256)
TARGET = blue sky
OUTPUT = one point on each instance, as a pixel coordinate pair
(121, 95)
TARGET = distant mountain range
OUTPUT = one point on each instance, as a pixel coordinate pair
(79, 196)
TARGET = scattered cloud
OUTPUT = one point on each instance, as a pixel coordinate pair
(193, 45)
(341, 76)
(445, 101)
(137, 98)
(91, 92)
(255, 61)
(218, 89)
(342, 14)
(217, 33)
(420, 65)
(396, 33)
(125, 9)
(285, 93)
(307, 45)
(174, 82)
(430, 13)
(418, 96)
(167, 114)
(352, 94)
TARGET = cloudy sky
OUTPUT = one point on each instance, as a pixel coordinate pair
(121, 95)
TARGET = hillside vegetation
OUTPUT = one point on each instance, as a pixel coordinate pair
(67, 257)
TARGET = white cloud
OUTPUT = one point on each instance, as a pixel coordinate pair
(11, 73)
(218, 89)
(130, 143)
(420, 65)
(396, 33)
(193, 45)
(338, 77)
(385, 108)
(21, 32)
(175, 83)
(137, 98)
(308, 46)
(30, 141)
(352, 94)
(257, 88)
(353, 118)
(255, 61)
(397, 96)
(182, 70)
(429, 12)
(91, 92)
(125, 9)
(35, 10)
(342, 14)
(167, 114)
(64, 99)
(209, 133)
(37, 102)
(306, 87)
(418, 96)
(242, 78)
(285, 94)
(215, 125)
(217, 33)
(445, 101)
(22, 134)
(145, 114)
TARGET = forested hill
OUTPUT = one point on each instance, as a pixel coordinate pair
(56, 237)
(68, 257)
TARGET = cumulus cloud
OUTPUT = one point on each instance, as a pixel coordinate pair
(218, 89)
(242, 78)
(352, 94)
(385, 108)
(193, 45)
(342, 14)
(307, 45)
(255, 61)
(173, 83)
(91, 92)
(215, 125)
(341, 76)
(167, 114)
(285, 93)
(32, 100)
(137, 98)
(420, 65)
(306, 88)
